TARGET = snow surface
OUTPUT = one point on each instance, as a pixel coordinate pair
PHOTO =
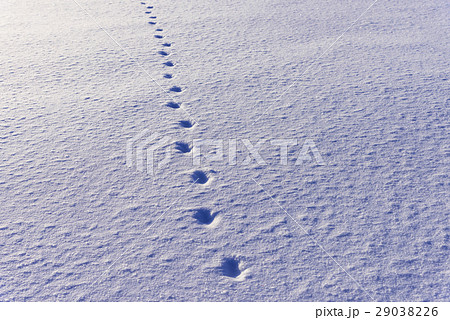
(78, 224)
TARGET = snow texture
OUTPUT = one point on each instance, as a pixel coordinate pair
(370, 88)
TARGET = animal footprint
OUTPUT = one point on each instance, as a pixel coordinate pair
(200, 177)
(148, 12)
(175, 89)
(149, 7)
(169, 64)
(204, 216)
(158, 36)
(182, 147)
(173, 105)
(168, 76)
(152, 17)
(163, 53)
(186, 124)
(151, 22)
(230, 268)
(166, 44)
(159, 29)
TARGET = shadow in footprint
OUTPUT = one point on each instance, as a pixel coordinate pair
(186, 124)
(151, 22)
(204, 216)
(175, 89)
(168, 76)
(166, 44)
(159, 29)
(230, 268)
(158, 36)
(168, 63)
(152, 17)
(182, 147)
(163, 53)
(148, 12)
(150, 7)
(199, 176)
(173, 105)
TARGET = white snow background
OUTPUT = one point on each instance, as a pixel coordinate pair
(367, 82)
